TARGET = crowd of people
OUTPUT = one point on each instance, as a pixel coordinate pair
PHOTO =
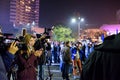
(83, 59)
(23, 57)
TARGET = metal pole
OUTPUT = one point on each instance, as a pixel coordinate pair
(78, 30)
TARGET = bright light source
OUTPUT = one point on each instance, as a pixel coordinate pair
(33, 23)
(79, 18)
(82, 19)
(33, 0)
(73, 20)
(28, 24)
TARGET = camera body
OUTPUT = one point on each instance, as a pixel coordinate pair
(5, 43)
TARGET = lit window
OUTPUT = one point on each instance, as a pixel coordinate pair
(27, 8)
(22, 2)
(29, 2)
(35, 11)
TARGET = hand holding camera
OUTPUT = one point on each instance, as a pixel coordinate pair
(39, 52)
(13, 48)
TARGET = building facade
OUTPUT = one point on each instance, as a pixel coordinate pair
(24, 12)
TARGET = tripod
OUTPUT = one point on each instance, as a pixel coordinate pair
(49, 73)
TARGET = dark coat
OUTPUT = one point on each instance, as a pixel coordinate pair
(103, 63)
(6, 60)
(26, 67)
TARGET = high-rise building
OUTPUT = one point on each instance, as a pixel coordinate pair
(24, 12)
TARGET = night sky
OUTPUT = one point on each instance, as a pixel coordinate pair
(53, 12)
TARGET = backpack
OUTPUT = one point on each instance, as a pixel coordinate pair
(66, 55)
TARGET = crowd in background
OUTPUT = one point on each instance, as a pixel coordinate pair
(77, 53)
(32, 52)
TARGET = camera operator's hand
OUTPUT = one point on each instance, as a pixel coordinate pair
(13, 48)
(38, 53)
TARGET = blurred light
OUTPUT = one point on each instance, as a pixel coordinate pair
(14, 25)
(20, 22)
(33, 0)
(29, 2)
(27, 8)
(79, 18)
(73, 20)
(33, 23)
(82, 20)
(35, 11)
(28, 24)
(22, 2)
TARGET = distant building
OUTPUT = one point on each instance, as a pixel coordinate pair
(17, 13)
(38, 30)
(24, 12)
(111, 28)
(92, 33)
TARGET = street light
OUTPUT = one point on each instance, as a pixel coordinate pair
(78, 21)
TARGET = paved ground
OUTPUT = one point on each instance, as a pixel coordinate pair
(55, 70)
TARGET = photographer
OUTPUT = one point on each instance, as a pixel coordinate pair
(6, 57)
(41, 43)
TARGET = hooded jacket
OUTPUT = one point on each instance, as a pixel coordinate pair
(103, 63)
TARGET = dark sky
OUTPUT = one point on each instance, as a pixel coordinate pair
(54, 12)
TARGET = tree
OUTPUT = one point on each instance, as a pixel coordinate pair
(62, 33)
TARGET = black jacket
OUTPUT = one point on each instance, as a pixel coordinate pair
(103, 63)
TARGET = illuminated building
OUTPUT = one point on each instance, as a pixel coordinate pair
(24, 12)
(111, 28)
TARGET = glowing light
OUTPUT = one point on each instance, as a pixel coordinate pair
(35, 11)
(22, 2)
(33, 23)
(111, 29)
(29, 2)
(33, 0)
(28, 24)
(27, 8)
(81, 19)
(73, 20)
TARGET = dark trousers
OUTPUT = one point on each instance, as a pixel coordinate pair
(55, 57)
(40, 72)
(49, 57)
(65, 70)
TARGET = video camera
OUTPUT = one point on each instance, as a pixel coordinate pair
(6, 40)
(42, 40)
(3, 41)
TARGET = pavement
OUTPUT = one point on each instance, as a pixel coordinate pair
(55, 71)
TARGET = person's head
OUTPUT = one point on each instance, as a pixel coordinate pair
(29, 39)
(78, 44)
(67, 43)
